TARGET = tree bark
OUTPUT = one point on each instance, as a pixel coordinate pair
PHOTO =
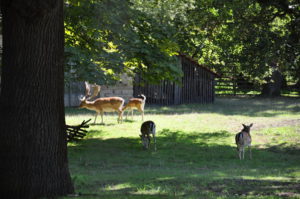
(274, 84)
(33, 143)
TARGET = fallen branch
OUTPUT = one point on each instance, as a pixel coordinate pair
(77, 132)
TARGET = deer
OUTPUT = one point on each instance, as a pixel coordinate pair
(242, 140)
(102, 104)
(147, 129)
(136, 103)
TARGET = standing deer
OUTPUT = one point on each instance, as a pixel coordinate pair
(102, 104)
(136, 103)
(242, 140)
(148, 128)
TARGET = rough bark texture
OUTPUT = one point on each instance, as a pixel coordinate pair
(33, 144)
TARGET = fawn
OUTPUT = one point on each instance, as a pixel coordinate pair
(136, 103)
(148, 128)
(242, 140)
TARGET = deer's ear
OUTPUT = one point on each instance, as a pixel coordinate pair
(244, 125)
(251, 125)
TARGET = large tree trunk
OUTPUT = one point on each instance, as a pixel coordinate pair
(33, 145)
(274, 84)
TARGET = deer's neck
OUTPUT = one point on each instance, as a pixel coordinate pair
(90, 105)
(247, 133)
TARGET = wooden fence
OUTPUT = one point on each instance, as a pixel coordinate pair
(196, 86)
(230, 86)
(163, 93)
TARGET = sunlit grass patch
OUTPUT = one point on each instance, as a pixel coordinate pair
(196, 154)
(116, 187)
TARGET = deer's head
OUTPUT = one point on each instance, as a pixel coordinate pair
(247, 127)
(88, 96)
(83, 103)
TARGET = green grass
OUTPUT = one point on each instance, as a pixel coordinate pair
(196, 155)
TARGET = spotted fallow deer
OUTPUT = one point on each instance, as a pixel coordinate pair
(136, 103)
(147, 129)
(102, 104)
(243, 140)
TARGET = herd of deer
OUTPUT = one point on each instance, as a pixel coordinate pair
(109, 104)
(116, 104)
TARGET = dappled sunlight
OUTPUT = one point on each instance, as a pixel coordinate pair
(210, 188)
(196, 154)
(149, 190)
(188, 151)
(191, 168)
(286, 148)
(116, 187)
(164, 178)
(254, 187)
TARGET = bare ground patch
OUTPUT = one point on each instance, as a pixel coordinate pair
(271, 124)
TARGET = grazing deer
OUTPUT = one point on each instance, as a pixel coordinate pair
(148, 128)
(102, 104)
(136, 103)
(242, 140)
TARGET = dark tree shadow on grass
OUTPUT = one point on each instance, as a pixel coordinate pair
(242, 187)
(284, 148)
(129, 120)
(185, 165)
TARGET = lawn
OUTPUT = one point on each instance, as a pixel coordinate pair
(196, 155)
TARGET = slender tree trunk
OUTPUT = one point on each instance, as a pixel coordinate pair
(274, 84)
(33, 146)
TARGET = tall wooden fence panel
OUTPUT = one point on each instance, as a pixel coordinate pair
(228, 85)
(162, 93)
(197, 86)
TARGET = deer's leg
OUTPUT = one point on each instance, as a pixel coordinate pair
(96, 117)
(243, 153)
(127, 114)
(238, 151)
(132, 114)
(101, 113)
(120, 117)
(250, 152)
(154, 138)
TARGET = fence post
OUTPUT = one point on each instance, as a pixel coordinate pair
(234, 87)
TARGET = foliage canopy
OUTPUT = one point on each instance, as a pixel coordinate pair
(105, 38)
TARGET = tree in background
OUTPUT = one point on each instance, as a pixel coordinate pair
(33, 144)
(248, 37)
(141, 36)
(105, 38)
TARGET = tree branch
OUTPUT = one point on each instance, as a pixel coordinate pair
(77, 132)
